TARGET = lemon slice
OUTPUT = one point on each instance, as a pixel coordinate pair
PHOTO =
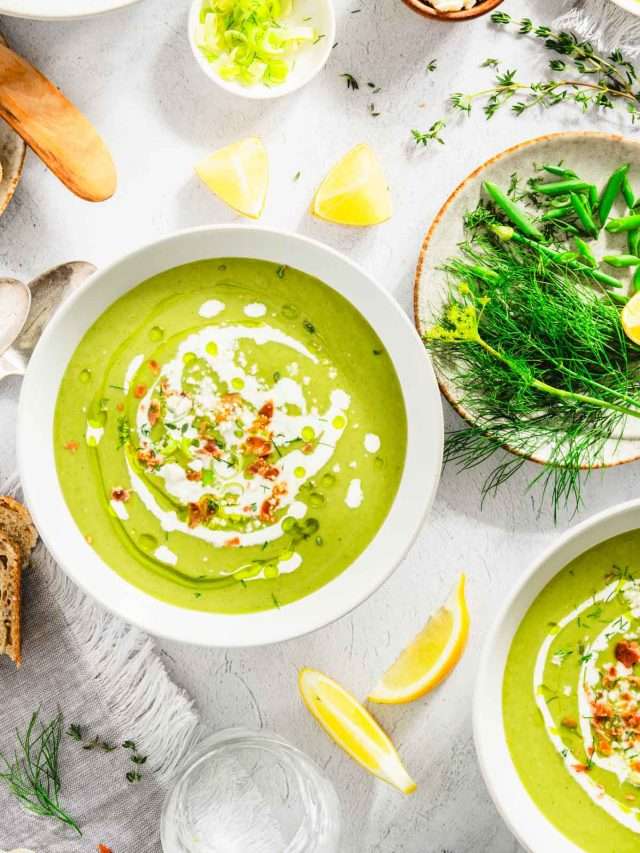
(355, 191)
(631, 318)
(239, 175)
(353, 728)
(431, 656)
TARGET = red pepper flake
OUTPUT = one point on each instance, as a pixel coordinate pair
(232, 543)
(118, 494)
(154, 412)
(139, 391)
(580, 768)
(193, 476)
(102, 848)
(154, 367)
(71, 446)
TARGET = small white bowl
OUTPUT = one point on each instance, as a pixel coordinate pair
(305, 63)
(420, 476)
(532, 829)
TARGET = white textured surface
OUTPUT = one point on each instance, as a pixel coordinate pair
(133, 73)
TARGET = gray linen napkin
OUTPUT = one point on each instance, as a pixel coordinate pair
(108, 678)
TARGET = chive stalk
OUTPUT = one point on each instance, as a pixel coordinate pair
(625, 223)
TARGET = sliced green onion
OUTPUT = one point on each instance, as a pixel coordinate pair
(247, 40)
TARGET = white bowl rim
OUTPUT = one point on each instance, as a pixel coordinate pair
(531, 828)
(38, 12)
(333, 600)
(257, 92)
(629, 5)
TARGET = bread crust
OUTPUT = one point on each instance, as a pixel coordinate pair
(11, 585)
(25, 532)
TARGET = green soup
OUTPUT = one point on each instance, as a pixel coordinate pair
(571, 698)
(230, 435)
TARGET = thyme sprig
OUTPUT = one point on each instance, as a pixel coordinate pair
(33, 775)
(582, 76)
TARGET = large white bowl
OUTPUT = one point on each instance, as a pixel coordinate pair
(417, 486)
(518, 810)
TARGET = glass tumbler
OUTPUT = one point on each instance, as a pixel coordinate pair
(244, 791)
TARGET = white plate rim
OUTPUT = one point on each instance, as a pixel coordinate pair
(532, 829)
(415, 495)
(40, 10)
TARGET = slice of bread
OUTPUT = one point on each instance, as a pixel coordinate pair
(16, 523)
(10, 598)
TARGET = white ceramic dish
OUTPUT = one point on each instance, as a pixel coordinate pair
(632, 6)
(53, 10)
(417, 486)
(308, 62)
(593, 155)
(518, 810)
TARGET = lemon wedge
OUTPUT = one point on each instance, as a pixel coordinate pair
(431, 656)
(239, 175)
(355, 191)
(353, 728)
(631, 318)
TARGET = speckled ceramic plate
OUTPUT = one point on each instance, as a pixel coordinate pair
(593, 155)
(12, 154)
(60, 9)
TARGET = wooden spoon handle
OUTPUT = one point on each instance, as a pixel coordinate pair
(57, 131)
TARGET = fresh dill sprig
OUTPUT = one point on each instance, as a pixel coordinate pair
(431, 66)
(538, 356)
(33, 775)
(431, 135)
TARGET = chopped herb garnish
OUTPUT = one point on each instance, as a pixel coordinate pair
(281, 271)
(124, 432)
(352, 83)
(431, 66)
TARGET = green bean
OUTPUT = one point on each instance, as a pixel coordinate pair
(601, 277)
(621, 261)
(513, 211)
(633, 241)
(627, 193)
(626, 223)
(484, 273)
(584, 249)
(571, 185)
(610, 191)
(635, 281)
(556, 213)
(593, 198)
(560, 171)
(559, 200)
(584, 216)
(618, 297)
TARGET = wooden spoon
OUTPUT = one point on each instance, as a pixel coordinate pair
(57, 131)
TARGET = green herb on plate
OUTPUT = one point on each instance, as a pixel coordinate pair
(530, 336)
